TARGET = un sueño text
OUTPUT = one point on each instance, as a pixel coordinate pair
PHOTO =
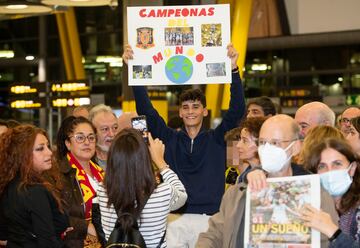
(280, 228)
(177, 12)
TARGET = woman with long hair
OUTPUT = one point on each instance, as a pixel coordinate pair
(130, 190)
(76, 141)
(339, 171)
(31, 209)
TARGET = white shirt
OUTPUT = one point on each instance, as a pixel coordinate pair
(168, 196)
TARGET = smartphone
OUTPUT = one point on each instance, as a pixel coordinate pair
(140, 124)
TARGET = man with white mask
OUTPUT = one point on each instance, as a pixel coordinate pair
(106, 124)
(278, 142)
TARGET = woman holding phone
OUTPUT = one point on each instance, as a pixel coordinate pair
(130, 188)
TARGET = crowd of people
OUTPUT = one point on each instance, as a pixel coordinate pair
(102, 173)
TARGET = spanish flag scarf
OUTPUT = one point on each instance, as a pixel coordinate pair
(87, 190)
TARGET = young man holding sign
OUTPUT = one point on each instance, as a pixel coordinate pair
(197, 155)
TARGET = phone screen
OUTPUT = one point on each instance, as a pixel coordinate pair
(140, 124)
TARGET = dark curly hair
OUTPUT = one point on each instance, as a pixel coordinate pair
(265, 103)
(253, 125)
(66, 128)
(193, 95)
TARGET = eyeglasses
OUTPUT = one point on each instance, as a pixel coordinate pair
(80, 138)
(345, 120)
(274, 142)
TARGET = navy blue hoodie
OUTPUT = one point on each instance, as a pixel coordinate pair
(199, 163)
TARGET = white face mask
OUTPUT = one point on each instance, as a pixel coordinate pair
(273, 158)
(336, 182)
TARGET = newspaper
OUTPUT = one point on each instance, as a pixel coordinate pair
(272, 218)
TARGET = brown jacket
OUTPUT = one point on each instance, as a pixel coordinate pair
(73, 205)
(225, 225)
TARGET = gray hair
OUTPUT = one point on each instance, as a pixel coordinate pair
(100, 108)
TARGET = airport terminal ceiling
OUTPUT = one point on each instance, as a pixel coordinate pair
(298, 51)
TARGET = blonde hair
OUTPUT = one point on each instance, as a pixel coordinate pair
(315, 136)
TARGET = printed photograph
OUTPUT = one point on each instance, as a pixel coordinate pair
(142, 72)
(179, 36)
(215, 70)
(145, 39)
(211, 35)
(275, 217)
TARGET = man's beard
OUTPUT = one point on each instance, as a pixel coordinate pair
(103, 148)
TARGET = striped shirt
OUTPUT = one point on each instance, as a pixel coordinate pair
(168, 196)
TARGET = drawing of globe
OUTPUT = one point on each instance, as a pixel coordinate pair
(179, 69)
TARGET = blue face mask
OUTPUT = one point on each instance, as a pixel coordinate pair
(336, 182)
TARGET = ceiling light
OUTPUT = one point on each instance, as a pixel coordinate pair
(79, 3)
(19, 6)
(7, 54)
(259, 67)
(23, 7)
(29, 57)
(116, 64)
(108, 59)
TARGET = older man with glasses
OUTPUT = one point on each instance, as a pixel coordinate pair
(313, 114)
(278, 142)
(106, 124)
(346, 116)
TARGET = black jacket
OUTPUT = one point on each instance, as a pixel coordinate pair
(30, 217)
(199, 162)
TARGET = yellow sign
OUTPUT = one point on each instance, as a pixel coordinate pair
(22, 89)
(69, 87)
(25, 104)
(69, 102)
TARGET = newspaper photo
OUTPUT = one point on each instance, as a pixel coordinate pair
(272, 216)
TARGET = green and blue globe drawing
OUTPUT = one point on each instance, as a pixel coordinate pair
(179, 69)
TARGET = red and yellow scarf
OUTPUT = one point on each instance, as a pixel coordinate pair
(87, 190)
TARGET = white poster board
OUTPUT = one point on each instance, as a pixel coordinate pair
(176, 45)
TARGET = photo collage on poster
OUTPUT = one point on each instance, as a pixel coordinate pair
(142, 71)
(179, 45)
(181, 36)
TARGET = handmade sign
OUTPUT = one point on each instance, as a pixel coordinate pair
(179, 44)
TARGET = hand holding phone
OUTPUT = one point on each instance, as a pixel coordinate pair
(157, 150)
(140, 124)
